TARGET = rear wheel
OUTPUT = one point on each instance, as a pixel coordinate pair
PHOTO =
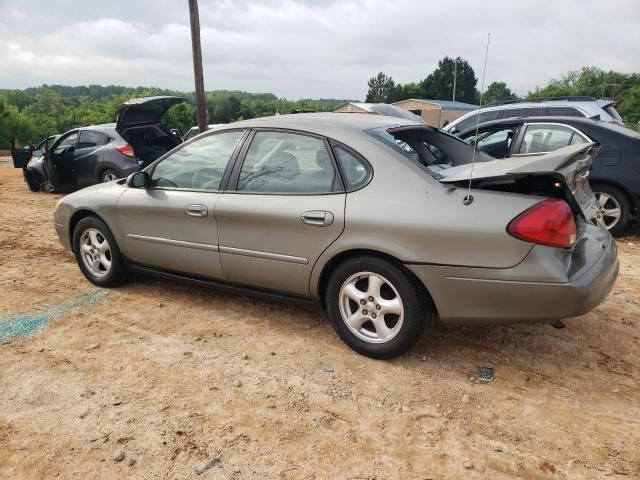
(614, 208)
(108, 176)
(377, 308)
(97, 253)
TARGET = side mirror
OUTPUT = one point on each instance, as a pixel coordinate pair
(70, 149)
(38, 153)
(175, 132)
(139, 180)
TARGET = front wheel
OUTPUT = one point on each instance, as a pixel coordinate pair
(376, 307)
(33, 179)
(97, 253)
(614, 208)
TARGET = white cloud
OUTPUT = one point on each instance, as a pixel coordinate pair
(309, 48)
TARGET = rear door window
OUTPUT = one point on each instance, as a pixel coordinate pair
(92, 139)
(283, 162)
(547, 138)
(564, 112)
(523, 112)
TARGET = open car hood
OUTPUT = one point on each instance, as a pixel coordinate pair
(555, 161)
(145, 110)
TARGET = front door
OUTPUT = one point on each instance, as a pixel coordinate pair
(21, 152)
(171, 224)
(58, 160)
(286, 209)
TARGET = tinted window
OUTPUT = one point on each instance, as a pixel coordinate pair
(89, 138)
(197, 165)
(547, 138)
(67, 141)
(473, 119)
(279, 162)
(564, 112)
(354, 169)
(522, 112)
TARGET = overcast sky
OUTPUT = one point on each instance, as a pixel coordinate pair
(307, 48)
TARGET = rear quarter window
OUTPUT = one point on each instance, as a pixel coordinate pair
(355, 171)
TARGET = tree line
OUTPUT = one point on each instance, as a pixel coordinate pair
(33, 113)
(589, 81)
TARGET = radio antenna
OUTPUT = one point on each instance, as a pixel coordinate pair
(468, 199)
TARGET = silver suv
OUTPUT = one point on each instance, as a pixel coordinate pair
(588, 107)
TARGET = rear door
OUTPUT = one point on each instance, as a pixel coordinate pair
(171, 225)
(21, 152)
(88, 155)
(284, 208)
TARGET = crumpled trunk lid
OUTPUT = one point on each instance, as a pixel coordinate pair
(568, 167)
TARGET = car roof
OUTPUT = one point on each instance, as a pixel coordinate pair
(328, 124)
(547, 119)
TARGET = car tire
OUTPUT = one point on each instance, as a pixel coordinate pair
(33, 179)
(97, 253)
(362, 289)
(108, 175)
(611, 198)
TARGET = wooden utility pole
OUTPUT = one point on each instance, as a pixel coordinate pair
(201, 106)
(455, 77)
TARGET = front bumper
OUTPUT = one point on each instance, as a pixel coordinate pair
(549, 284)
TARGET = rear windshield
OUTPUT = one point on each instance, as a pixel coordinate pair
(426, 147)
(611, 110)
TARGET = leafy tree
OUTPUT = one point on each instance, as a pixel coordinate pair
(498, 91)
(381, 89)
(439, 84)
(629, 106)
(407, 91)
(225, 110)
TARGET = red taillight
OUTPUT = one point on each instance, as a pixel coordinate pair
(549, 222)
(126, 150)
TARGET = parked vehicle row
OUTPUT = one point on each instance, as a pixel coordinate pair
(383, 221)
(574, 106)
(100, 153)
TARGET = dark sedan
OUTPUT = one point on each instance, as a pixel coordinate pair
(615, 175)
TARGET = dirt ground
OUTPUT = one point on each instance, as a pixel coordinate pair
(188, 382)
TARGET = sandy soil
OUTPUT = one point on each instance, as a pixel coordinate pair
(178, 378)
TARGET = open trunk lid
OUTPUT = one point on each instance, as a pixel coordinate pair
(145, 111)
(568, 167)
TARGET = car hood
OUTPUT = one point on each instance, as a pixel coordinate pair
(145, 111)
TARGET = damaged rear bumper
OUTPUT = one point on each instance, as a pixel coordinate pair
(549, 284)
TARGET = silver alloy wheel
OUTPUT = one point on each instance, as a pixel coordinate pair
(609, 211)
(95, 252)
(371, 307)
(108, 177)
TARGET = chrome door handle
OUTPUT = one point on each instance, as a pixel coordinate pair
(196, 210)
(317, 218)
